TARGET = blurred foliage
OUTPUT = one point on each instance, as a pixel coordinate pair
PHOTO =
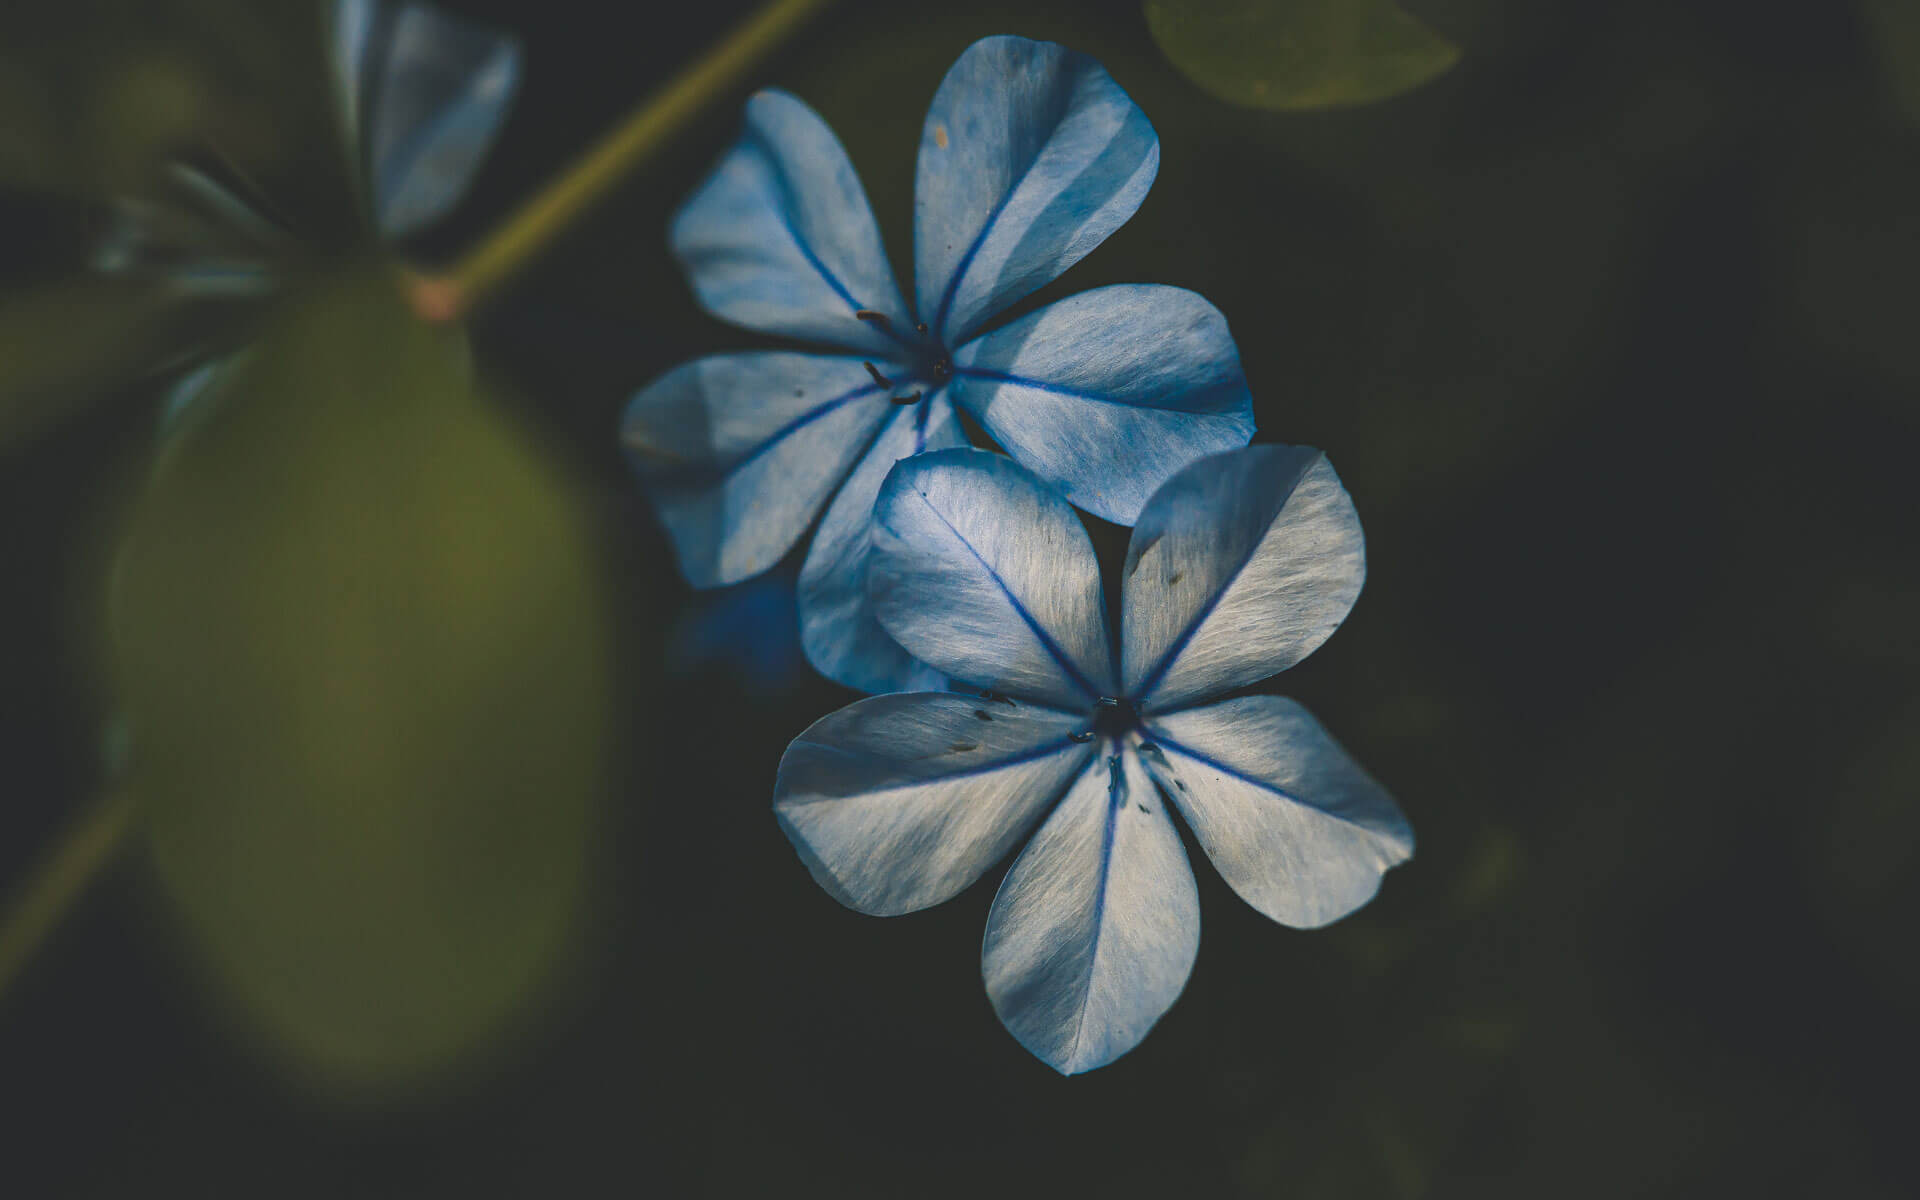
(97, 93)
(1895, 25)
(63, 343)
(1299, 54)
(1866, 855)
(362, 646)
(101, 101)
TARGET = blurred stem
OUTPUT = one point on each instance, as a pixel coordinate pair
(651, 125)
(47, 894)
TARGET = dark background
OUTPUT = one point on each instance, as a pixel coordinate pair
(1611, 333)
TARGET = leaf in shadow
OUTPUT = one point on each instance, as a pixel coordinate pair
(1298, 54)
(361, 645)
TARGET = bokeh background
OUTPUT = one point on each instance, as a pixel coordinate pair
(1612, 333)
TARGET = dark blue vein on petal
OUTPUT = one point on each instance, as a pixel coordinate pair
(1160, 669)
(1264, 785)
(966, 260)
(1044, 750)
(805, 248)
(1039, 632)
(1166, 743)
(706, 476)
(1058, 389)
(1116, 800)
(783, 211)
(920, 416)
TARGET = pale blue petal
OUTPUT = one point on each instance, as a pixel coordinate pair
(1106, 394)
(1294, 825)
(843, 639)
(739, 451)
(897, 803)
(197, 235)
(780, 238)
(981, 572)
(1031, 155)
(1094, 931)
(1241, 566)
(353, 22)
(428, 93)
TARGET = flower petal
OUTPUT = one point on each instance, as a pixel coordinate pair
(843, 639)
(1031, 155)
(780, 238)
(1094, 931)
(897, 803)
(1241, 566)
(981, 572)
(739, 451)
(431, 92)
(1294, 825)
(1106, 394)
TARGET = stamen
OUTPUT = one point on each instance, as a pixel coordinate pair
(878, 318)
(920, 327)
(1085, 735)
(942, 368)
(909, 398)
(878, 378)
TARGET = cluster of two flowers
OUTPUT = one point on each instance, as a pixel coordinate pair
(936, 565)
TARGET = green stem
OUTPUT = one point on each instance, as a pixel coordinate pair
(638, 138)
(58, 881)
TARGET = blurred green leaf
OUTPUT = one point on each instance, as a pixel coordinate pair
(1298, 54)
(63, 344)
(1895, 25)
(361, 643)
(96, 94)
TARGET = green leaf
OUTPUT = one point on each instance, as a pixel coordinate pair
(1298, 54)
(65, 344)
(361, 644)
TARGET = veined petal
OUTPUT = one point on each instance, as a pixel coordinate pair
(1094, 931)
(1031, 155)
(843, 639)
(1240, 566)
(981, 572)
(780, 238)
(897, 803)
(424, 94)
(1294, 825)
(739, 451)
(1106, 394)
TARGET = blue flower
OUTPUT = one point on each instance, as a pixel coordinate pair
(1030, 156)
(421, 97)
(1240, 566)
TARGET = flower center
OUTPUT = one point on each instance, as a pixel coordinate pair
(930, 364)
(1112, 719)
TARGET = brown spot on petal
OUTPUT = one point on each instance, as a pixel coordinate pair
(940, 136)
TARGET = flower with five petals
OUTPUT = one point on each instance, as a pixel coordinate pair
(1030, 156)
(1241, 565)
